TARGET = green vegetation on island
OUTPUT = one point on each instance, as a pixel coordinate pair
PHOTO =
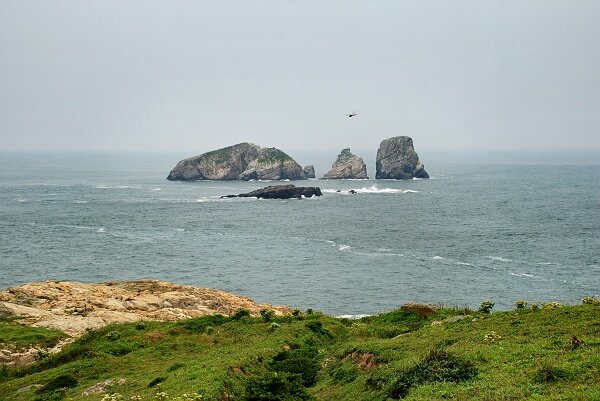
(272, 156)
(546, 352)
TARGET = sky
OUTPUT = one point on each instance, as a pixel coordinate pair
(194, 76)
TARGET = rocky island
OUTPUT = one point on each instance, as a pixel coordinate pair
(347, 166)
(244, 161)
(397, 159)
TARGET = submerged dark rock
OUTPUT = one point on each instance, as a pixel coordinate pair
(280, 192)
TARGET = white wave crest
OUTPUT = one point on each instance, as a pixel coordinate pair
(114, 187)
(499, 259)
(352, 317)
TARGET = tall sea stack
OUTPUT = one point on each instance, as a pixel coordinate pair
(397, 159)
(347, 166)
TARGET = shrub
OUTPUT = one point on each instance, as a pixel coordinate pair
(549, 373)
(240, 313)
(156, 381)
(301, 361)
(59, 382)
(486, 306)
(345, 374)
(552, 305)
(275, 386)
(175, 366)
(113, 335)
(267, 314)
(590, 301)
(202, 323)
(521, 304)
(317, 327)
(437, 366)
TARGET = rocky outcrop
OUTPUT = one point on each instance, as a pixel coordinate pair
(397, 159)
(280, 192)
(76, 307)
(309, 171)
(272, 164)
(244, 161)
(421, 310)
(347, 166)
(222, 164)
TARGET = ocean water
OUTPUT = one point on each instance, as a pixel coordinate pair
(499, 231)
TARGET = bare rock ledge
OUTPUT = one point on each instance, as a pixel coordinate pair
(74, 307)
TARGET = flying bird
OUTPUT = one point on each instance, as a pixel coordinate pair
(352, 114)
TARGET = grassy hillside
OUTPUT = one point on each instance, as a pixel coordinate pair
(551, 353)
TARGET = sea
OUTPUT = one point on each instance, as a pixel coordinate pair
(492, 227)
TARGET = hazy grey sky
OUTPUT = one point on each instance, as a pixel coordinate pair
(194, 76)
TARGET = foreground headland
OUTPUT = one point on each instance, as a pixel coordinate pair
(216, 346)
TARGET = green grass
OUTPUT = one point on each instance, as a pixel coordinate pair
(19, 336)
(516, 355)
(270, 156)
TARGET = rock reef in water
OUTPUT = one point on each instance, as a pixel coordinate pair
(244, 161)
(397, 159)
(347, 166)
(280, 192)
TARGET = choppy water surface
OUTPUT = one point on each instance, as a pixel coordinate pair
(472, 232)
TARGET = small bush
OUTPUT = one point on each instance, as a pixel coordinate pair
(590, 301)
(175, 366)
(345, 374)
(549, 374)
(113, 335)
(438, 366)
(317, 327)
(59, 382)
(276, 386)
(521, 304)
(202, 323)
(156, 381)
(486, 306)
(301, 361)
(267, 314)
(240, 313)
(552, 305)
